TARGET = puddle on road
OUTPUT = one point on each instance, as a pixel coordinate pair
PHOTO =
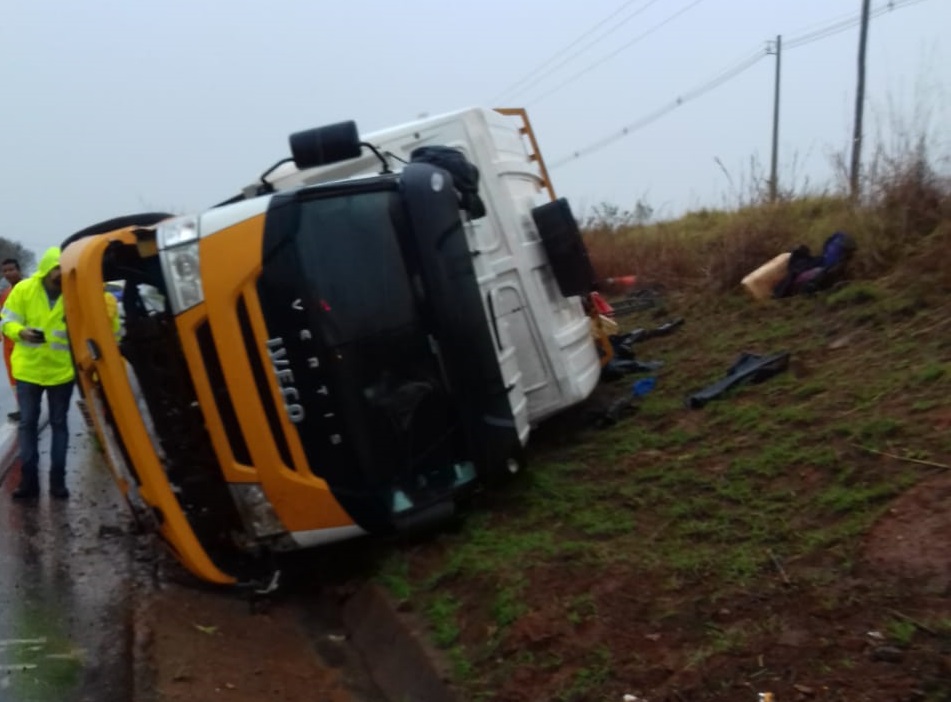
(64, 576)
(66, 607)
(43, 663)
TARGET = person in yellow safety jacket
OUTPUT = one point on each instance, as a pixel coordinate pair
(33, 317)
(112, 309)
(10, 268)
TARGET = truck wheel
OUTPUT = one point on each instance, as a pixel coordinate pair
(144, 219)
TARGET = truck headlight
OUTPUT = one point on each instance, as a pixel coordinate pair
(175, 231)
(177, 240)
(180, 265)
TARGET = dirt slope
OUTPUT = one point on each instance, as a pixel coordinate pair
(791, 537)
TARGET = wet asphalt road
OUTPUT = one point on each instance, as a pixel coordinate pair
(65, 581)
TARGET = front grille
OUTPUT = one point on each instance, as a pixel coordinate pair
(263, 386)
(152, 347)
(216, 378)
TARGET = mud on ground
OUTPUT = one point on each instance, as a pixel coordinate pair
(792, 537)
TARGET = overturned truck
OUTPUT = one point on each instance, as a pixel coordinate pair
(351, 345)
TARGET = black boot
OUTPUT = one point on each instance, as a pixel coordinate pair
(58, 489)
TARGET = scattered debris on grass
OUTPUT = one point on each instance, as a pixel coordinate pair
(749, 367)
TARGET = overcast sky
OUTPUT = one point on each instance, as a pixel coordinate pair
(115, 106)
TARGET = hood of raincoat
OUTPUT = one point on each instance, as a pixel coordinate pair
(48, 262)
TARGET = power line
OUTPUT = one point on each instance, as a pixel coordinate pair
(720, 78)
(822, 33)
(846, 24)
(534, 74)
(823, 23)
(540, 73)
(728, 74)
(813, 32)
(614, 53)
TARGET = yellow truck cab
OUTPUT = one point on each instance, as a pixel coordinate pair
(350, 345)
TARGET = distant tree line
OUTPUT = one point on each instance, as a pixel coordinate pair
(611, 217)
(14, 249)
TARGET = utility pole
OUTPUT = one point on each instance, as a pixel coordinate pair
(774, 167)
(854, 184)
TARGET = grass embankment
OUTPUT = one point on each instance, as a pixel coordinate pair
(710, 554)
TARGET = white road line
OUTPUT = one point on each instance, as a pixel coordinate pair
(22, 642)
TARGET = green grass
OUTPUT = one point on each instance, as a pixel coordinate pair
(877, 429)
(395, 578)
(856, 294)
(442, 616)
(682, 510)
(926, 405)
(932, 373)
(901, 631)
(855, 499)
(718, 641)
(462, 665)
(52, 665)
(508, 605)
(581, 608)
(589, 679)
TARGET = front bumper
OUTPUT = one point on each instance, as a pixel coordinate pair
(103, 380)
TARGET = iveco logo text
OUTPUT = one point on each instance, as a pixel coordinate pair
(285, 378)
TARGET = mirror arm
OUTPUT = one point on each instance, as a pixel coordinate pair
(386, 164)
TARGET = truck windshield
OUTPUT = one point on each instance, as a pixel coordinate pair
(370, 402)
(352, 264)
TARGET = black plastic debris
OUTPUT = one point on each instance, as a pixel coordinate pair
(623, 405)
(638, 301)
(748, 368)
(619, 367)
(625, 360)
(619, 408)
(623, 342)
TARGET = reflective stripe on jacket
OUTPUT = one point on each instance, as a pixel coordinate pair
(28, 306)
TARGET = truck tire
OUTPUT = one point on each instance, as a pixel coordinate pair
(567, 254)
(144, 219)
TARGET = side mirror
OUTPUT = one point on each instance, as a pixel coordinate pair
(325, 145)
